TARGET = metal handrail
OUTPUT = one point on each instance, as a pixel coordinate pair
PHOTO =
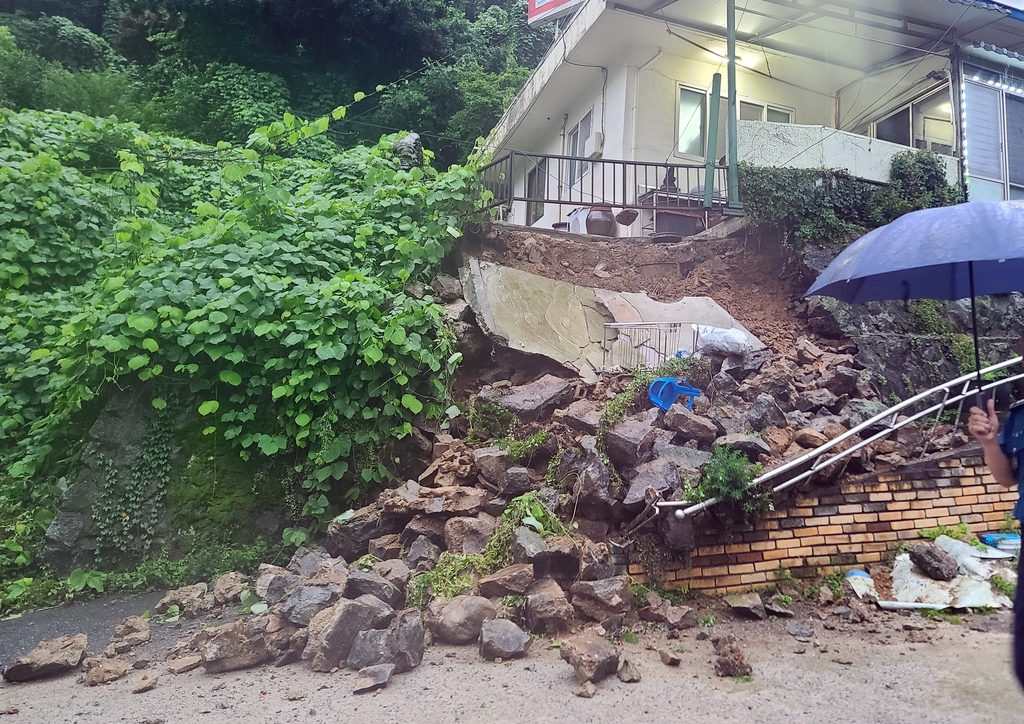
(579, 181)
(818, 458)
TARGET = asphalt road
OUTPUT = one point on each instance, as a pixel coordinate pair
(96, 619)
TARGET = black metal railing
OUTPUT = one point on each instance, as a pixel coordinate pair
(537, 179)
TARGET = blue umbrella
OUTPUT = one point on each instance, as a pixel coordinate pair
(952, 252)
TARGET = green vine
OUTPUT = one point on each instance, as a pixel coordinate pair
(830, 206)
(129, 506)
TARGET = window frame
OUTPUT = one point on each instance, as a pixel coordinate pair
(535, 209)
(680, 87)
(909, 106)
(578, 169)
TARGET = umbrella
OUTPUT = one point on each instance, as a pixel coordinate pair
(952, 252)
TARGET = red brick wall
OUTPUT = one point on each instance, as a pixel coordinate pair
(820, 530)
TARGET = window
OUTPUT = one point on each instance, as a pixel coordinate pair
(751, 111)
(984, 134)
(926, 123)
(536, 186)
(1015, 145)
(778, 115)
(576, 144)
(692, 124)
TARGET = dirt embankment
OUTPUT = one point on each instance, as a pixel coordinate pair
(749, 278)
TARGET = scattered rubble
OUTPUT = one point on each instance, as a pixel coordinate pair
(591, 657)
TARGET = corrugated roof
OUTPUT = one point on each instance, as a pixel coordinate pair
(983, 5)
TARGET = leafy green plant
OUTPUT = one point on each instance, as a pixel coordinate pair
(784, 600)
(367, 562)
(524, 450)
(449, 578)
(628, 637)
(727, 476)
(936, 615)
(708, 620)
(836, 584)
(173, 613)
(1010, 524)
(528, 510)
(295, 536)
(489, 419)
(80, 579)
(962, 532)
(251, 603)
(1003, 586)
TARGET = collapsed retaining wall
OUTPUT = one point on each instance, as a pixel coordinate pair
(834, 528)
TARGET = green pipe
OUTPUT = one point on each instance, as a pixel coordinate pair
(712, 152)
(734, 207)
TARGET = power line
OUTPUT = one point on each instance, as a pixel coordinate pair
(881, 99)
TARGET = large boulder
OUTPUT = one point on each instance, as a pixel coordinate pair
(492, 462)
(422, 554)
(934, 562)
(190, 600)
(538, 399)
(510, 581)
(765, 412)
(351, 539)
(591, 481)
(228, 588)
(395, 572)
(234, 646)
(527, 544)
(600, 600)
(689, 425)
(304, 602)
(273, 583)
(48, 658)
(400, 645)
(547, 608)
(583, 416)
(103, 670)
(468, 536)
(332, 632)
(502, 639)
(595, 561)
(660, 474)
(459, 620)
(629, 441)
(369, 582)
(383, 614)
(431, 527)
(591, 656)
(752, 447)
(306, 562)
(413, 499)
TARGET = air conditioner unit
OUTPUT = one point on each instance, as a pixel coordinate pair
(593, 147)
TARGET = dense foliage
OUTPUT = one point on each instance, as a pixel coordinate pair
(212, 71)
(269, 291)
(813, 206)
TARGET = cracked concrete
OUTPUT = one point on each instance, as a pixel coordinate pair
(565, 322)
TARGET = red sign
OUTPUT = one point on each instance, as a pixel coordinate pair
(544, 10)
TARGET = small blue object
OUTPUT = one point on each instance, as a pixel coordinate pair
(856, 573)
(664, 391)
(994, 539)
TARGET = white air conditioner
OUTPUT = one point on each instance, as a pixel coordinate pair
(593, 147)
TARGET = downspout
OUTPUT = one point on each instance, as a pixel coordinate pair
(565, 121)
(636, 96)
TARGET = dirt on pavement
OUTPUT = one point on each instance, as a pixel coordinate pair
(869, 674)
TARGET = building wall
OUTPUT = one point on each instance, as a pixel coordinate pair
(838, 527)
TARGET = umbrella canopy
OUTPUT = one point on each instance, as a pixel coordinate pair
(930, 254)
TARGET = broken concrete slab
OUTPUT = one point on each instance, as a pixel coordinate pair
(565, 322)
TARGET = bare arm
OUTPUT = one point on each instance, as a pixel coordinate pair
(984, 425)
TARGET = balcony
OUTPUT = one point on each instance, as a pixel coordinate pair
(555, 191)
(788, 145)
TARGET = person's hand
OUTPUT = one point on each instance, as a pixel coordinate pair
(984, 424)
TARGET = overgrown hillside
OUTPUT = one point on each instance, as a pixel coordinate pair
(212, 71)
(276, 301)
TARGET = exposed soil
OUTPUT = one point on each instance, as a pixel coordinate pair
(750, 279)
(868, 673)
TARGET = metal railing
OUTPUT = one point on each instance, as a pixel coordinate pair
(877, 429)
(537, 178)
(628, 346)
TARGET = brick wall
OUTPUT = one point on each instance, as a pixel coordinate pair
(819, 530)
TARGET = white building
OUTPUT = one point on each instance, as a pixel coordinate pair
(620, 111)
